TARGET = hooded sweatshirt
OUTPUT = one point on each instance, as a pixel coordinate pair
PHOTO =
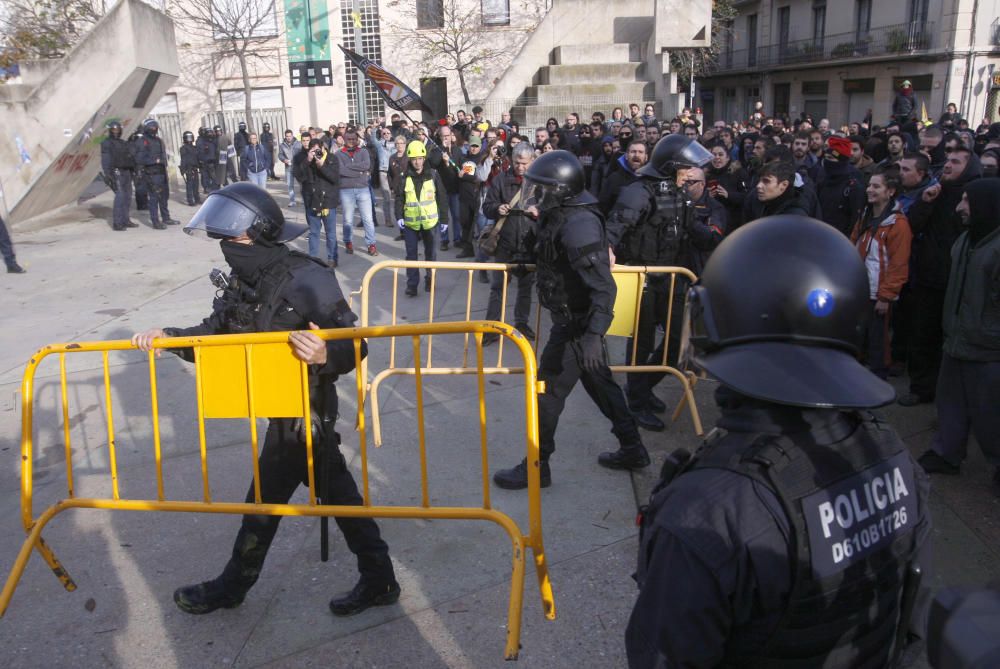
(935, 227)
(972, 305)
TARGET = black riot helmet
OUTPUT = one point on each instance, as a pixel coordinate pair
(243, 125)
(217, 130)
(115, 129)
(151, 126)
(779, 312)
(202, 131)
(672, 152)
(267, 126)
(554, 179)
(188, 136)
(243, 207)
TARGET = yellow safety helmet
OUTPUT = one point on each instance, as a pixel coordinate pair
(416, 149)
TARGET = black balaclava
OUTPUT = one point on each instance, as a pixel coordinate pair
(984, 208)
(247, 260)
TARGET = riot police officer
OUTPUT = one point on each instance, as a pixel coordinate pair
(139, 176)
(793, 536)
(573, 275)
(189, 169)
(267, 141)
(151, 156)
(240, 141)
(654, 222)
(275, 289)
(208, 159)
(118, 163)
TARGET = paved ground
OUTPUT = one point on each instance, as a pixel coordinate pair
(85, 282)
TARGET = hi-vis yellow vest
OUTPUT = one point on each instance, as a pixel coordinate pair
(420, 212)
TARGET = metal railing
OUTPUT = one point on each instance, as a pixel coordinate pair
(628, 309)
(529, 111)
(230, 119)
(256, 375)
(899, 39)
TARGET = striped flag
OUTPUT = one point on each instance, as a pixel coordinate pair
(397, 94)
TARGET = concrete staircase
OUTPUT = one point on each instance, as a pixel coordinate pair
(584, 79)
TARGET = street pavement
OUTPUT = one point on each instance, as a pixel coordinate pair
(87, 283)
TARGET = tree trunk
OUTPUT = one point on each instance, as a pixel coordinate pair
(461, 81)
(247, 90)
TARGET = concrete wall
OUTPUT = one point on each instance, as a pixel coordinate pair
(50, 150)
(574, 22)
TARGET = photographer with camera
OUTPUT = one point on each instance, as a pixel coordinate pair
(515, 242)
(653, 222)
(275, 289)
(319, 174)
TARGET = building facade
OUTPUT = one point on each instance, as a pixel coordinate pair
(295, 64)
(838, 59)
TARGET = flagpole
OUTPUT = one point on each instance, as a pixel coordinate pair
(430, 140)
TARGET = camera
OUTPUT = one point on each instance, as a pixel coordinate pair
(500, 149)
(219, 278)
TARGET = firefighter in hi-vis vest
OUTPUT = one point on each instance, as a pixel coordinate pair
(421, 210)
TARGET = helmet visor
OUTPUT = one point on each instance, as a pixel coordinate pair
(540, 196)
(695, 154)
(219, 218)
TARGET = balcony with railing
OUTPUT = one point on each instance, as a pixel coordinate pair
(900, 39)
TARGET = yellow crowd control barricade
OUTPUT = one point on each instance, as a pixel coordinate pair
(628, 308)
(256, 376)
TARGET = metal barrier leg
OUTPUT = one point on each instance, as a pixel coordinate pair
(544, 584)
(516, 596)
(34, 540)
(688, 381)
(54, 564)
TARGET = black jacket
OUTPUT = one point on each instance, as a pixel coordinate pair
(841, 195)
(722, 539)
(789, 202)
(117, 154)
(737, 184)
(517, 236)
(935, 227)
(320, 184)
(619, 175)
(189, 157)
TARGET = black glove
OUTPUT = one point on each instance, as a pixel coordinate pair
(298, 426)
(592, 354)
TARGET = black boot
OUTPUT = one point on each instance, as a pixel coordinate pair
(645, 419)
(365, 595)
(207, 597)
(526, 330)
(516, 478)
(14, 268)
(626, 457)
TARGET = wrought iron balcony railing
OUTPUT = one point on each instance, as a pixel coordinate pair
(901, 39)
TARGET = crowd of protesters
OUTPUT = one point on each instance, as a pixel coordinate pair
(894, 189)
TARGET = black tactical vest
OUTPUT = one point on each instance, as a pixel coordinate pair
(552, 266)
(852, 508)
(122, 157)
(660, 238)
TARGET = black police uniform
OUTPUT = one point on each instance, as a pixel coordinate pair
(151, 157)
(189, 169)
(794, 536)
(118, 163)
(208, 160)
(784, 544)
(573, 275)
(654, 222)
(267, 141)
(240, 141)
(138, 175)
(291, 290)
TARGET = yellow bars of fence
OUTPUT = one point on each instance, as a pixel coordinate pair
(217, 356)
(396, 266)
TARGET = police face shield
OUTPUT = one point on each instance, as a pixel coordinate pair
(695, 154)
(540, 196)
(220, 218)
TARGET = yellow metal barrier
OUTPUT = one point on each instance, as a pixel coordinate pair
(687, 380)
(262, 378)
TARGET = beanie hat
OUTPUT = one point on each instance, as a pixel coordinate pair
(839, 147)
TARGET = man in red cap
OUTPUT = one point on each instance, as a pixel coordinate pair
(904, 106)
(840, 187)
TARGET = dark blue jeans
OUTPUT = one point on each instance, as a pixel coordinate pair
(412, 238)
(6, 246)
